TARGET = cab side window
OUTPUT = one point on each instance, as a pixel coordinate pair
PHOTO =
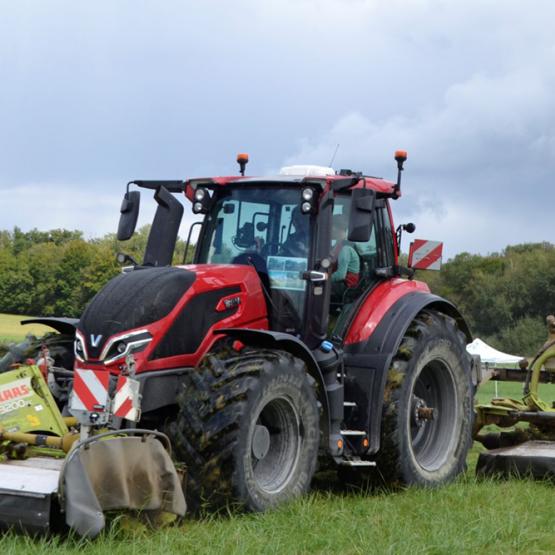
(377, 252)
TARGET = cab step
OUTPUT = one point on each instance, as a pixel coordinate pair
(357, 462)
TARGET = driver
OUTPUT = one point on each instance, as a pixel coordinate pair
(346, 269)
(296, 244)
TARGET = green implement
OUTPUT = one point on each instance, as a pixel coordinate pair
(522, 450)
(52, 475)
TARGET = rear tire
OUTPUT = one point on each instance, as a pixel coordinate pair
(248, 430)
(428, 405)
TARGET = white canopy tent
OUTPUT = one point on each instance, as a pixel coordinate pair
(492, 357)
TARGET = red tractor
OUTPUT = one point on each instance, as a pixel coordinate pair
(295, 335)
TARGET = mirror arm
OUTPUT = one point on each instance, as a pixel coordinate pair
(346, 183)
(173, 186)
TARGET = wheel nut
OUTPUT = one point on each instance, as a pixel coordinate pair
(426, 413)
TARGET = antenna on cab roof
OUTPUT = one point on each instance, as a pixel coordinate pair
(334, 155)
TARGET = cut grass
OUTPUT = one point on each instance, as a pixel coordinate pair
(465, 517)
(12, 331)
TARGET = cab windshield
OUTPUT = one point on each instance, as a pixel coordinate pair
(263, 227)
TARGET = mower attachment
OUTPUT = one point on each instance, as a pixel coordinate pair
(128, 469)
(530, 459)
(45, 471)
(27, 491)
(524, 451)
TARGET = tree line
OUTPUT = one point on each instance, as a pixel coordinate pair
(57, 272)
(504, 296)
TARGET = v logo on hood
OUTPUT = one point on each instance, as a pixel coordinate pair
(95, 340)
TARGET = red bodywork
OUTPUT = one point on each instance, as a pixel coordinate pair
(378, 302)
(375, 183)
(250, 313)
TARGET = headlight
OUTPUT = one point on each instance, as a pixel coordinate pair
(79, 349)
(120, 347)
(306, 207)
(307, 194)
(200, 194)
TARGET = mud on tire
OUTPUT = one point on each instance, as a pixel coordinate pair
(247, 429)
(427, 414)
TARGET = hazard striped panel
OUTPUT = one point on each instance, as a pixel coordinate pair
(127, 399)
(90, 390)
(425, 255)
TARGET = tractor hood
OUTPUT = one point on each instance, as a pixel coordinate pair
(132, 300)
(157, 313)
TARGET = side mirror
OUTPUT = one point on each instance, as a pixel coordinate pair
(129, 214)
(362, 215)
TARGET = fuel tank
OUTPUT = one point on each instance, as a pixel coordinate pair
(166, 317)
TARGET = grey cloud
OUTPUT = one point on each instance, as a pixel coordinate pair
(95, 94)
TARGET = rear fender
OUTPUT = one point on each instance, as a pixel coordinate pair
(368, 361)
(283, 341)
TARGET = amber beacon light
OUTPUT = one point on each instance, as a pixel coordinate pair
(242, 160)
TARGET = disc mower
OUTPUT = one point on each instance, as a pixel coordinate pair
(66, 471)
(295, 338)
(527, 450)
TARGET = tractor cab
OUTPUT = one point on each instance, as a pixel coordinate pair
(317, 240)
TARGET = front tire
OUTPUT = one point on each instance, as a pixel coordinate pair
(248, 430)
(427, 415)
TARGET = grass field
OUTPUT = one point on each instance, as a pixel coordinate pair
(466, 517)
(12, 330)
(469, 516)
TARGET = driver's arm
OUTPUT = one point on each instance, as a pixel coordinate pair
(342, 264)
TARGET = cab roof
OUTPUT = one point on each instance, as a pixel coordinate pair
(327, 182)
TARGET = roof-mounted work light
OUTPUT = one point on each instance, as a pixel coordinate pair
(308, 200)
(201, 201)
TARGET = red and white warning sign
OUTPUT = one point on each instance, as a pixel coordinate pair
(425, 255)
(126, 402)
(90, 390)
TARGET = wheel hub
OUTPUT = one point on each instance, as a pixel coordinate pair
(275, 444)
(421, 412)
(260, 442)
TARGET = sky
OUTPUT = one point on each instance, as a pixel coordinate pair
(94, 94)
